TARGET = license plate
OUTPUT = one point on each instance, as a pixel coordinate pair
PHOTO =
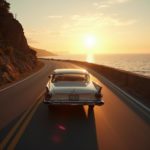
(73, 97)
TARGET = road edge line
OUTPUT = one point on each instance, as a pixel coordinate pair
(18, 135)
(20, 81)
(126, 94)
(145, 110)
(19, 122)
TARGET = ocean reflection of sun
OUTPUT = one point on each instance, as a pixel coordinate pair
(90, 43)
(90, 58)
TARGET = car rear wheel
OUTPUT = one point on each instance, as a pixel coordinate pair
(50, 107)
(91, 106)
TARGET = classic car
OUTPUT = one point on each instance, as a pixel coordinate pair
(72, 87)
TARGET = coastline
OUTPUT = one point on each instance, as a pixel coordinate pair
(136, 63)
(134, 84)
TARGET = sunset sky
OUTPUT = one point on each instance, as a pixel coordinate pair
(80, 26)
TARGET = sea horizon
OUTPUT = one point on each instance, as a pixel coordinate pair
(138, 63)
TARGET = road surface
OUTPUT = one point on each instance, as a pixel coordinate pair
(26, 123)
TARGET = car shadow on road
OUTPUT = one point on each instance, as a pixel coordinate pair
(72, 129)
(60, 128)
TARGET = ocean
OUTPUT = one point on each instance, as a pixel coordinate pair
(137, 63)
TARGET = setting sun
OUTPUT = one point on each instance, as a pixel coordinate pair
(87, 61)
(90, 41)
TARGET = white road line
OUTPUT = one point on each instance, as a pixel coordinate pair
(12, 85)
(19, 122)
(115, 87)
(118, 89)
(126, 94)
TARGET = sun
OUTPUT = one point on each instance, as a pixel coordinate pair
(90, 41)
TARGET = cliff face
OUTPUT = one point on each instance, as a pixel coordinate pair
(15, 55)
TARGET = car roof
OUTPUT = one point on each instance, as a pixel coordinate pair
(70, 71)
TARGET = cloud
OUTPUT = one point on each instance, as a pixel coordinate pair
(117, 22)
(33, 35)
(54, 33)
(55, 17)
(108, 3)
(120, 1)
(102, 20)
(74, 17)
(94, 23)
(100, 5)
(115, 1)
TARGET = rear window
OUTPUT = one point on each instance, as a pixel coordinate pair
(70, 77)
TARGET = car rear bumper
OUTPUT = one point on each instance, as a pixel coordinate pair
(79, 102)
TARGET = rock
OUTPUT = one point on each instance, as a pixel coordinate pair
(16, 57)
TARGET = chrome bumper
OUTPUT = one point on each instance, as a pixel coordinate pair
(79, 102)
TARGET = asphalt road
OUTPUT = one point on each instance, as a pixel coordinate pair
(26, 123)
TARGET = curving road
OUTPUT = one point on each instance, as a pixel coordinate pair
(26, 123)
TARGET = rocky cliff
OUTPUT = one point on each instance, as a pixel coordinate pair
(16, 57)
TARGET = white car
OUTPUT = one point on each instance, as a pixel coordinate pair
(72, 87)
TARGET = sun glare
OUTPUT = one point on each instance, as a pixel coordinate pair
(90, 58)
(90, 41)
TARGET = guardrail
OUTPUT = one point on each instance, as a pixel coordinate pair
(136, 85)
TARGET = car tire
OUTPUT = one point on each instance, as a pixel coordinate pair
(91, 106)
(50, 107)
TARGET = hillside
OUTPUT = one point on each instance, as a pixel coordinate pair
(42, 53)
(16, 57)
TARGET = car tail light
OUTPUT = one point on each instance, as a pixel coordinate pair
(47, 94)
(98, 94)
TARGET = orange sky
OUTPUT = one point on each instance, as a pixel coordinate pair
(118, 26)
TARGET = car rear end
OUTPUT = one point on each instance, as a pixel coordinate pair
(76, 96)
(72, 87)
